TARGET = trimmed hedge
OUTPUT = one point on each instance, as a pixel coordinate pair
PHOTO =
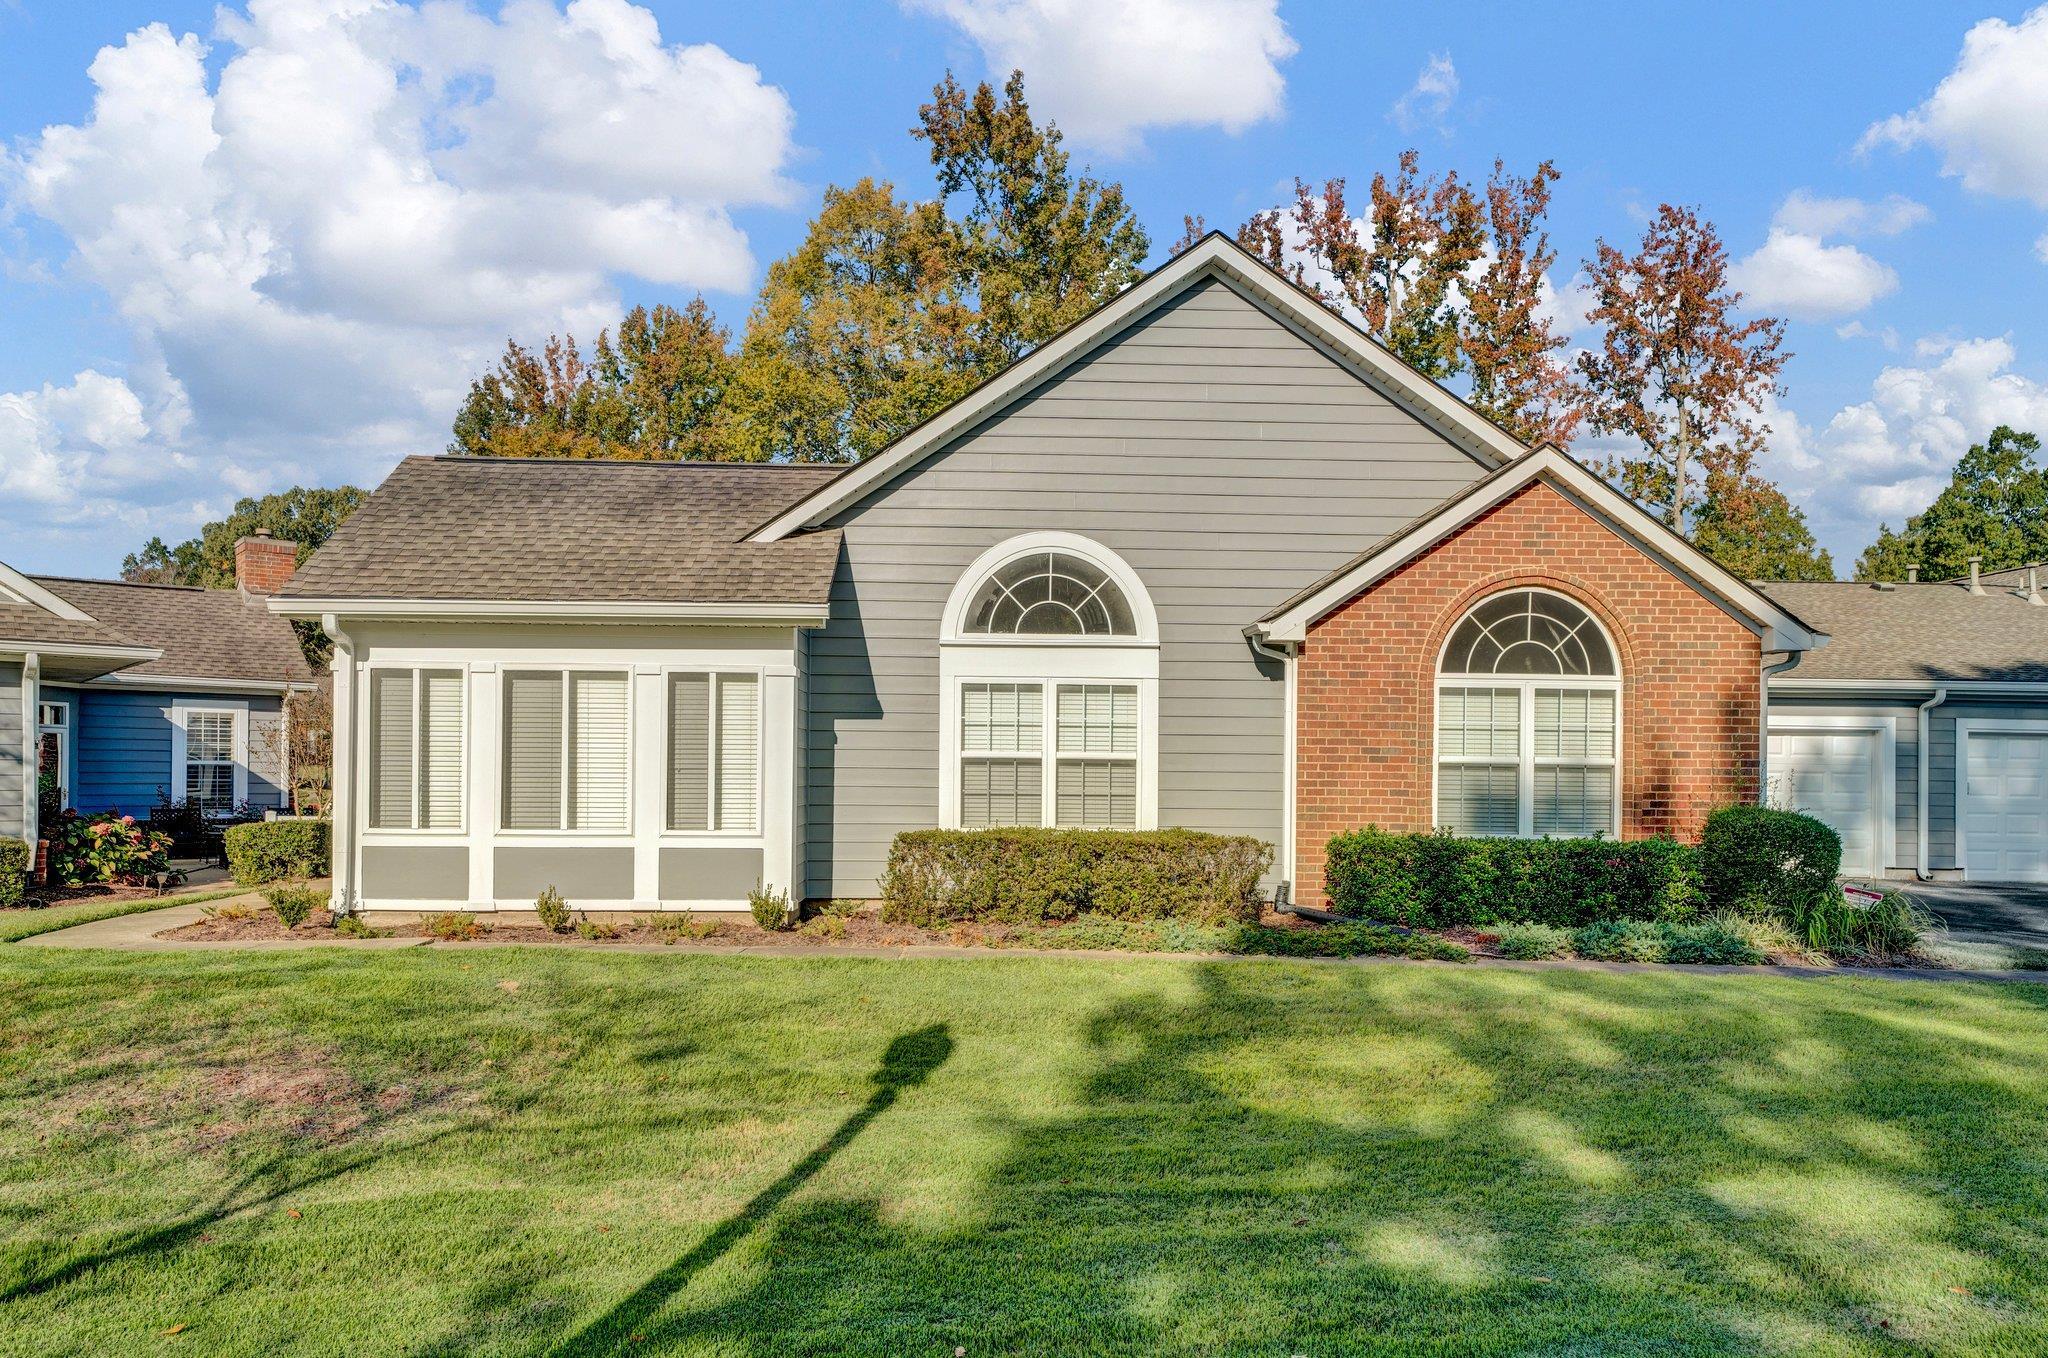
(1031, 875)
(267, 850)
(16, 858)
(1757, 858)
(1438, 881)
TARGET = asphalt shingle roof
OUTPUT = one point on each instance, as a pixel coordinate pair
(203, 633)
(576, 531)
(32, 622)
(1925, 632)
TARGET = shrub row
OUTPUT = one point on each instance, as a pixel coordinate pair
(1031, 875)
(1167, 935)
(269, 850)
(1440, 881)
(15, 860)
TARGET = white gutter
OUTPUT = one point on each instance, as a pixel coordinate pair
(1288, 668)
(1763, 753)
(1920, 867)
(341, 770)
(779, 614)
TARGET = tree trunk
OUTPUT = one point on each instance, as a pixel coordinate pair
(1678, 460)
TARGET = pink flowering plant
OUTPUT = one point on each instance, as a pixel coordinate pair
(105, 848)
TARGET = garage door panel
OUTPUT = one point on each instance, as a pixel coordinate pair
(1831, 776)
(2005, 806)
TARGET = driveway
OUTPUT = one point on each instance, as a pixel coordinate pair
(1989, 912)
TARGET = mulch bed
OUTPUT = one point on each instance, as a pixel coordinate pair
(43, 897)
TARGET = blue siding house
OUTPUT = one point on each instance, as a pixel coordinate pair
(130, 694)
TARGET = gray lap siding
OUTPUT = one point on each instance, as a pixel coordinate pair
(1227, 459)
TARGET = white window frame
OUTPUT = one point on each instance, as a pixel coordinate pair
(716, 672)
(62, 730)
(562, 671)
(181, 711)
(1527, 760)
(1051, 662)
(415, 831)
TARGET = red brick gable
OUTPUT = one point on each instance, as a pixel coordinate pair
(1366, 678)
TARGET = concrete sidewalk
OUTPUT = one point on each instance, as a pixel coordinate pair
(137, 932)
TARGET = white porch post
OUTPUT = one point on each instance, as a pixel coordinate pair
(31, 756)
(341, 779)
(779, 840)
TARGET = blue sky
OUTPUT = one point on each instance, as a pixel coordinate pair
(267, 244)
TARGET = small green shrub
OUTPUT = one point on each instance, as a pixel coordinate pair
(672, 928)
(595, 931)
(1033, 875)
(770, 908)
(1760, 860)
(1107, 933)
(825, 928)
(1768, 936)
(1437, 881)
(267, 850)
(552, 909)
(1709, 943)
(294, 902)
(1534, 942)
(1343, 940)
(452, 927)
(1620, 940)
(352, 926)
(16, 857)
(1887, 930)
(2030, 959)
(230, 911)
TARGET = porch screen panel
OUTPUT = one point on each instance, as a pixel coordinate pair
(391, 749)
(440, 755)
(600, 790)
(739, 752)
(533, 751)
(689, 752)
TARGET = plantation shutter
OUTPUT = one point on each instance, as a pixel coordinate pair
(1001, 792)
(1574, 780)
(533, 751)
(1098, 719)
(391, 750)
(440, 754)
(1097, 794)
(1479, 746)
(599, 788)
(739, 751)
(689, 752)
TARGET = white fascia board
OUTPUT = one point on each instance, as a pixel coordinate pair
(191, 683)
(2014, 688)
(1216, 255)
(127, 655)
(1779, 630)
(14, 582)
(557, 610)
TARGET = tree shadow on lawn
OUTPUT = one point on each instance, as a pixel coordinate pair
(1332, 1160)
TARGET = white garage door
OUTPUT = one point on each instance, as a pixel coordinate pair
(1831, 776)
(2005, 807)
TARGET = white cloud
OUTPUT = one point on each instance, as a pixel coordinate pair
(1110, 70)
(1428, 101)
(76, 455)
(321, 243)
(1888, 456)
(1799, 276)
(1884, 335)
(1796, 273)
(1803, 213)
(1989, 116)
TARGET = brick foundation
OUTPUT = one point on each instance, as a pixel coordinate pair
(1365, 704)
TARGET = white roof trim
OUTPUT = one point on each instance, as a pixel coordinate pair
(181, 682)
(629, 610)
(1216, 255)
(1780, 630)
(15, 583)
(127, 655)
(2023, 688)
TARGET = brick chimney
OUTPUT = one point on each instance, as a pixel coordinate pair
(263, 563)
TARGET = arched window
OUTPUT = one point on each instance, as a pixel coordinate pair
(1528, 720)
(1049, 671)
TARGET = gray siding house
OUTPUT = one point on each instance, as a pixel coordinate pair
(123, 694)
(1087, 594)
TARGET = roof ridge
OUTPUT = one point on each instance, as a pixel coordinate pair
(131, 584)
(656, 462)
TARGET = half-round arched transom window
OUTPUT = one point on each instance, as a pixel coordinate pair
(1529, 632)
(1528, 708)
(1050, 593)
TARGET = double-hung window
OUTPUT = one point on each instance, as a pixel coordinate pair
(416, 749)
(1070, 762)
(209, 774)
(714, 752)
(1528, 720)
(567, 750)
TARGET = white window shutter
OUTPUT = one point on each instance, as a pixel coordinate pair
(599, 789)
(739, 751)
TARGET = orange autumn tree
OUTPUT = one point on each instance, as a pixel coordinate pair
(1675, 370)
(1509, 342)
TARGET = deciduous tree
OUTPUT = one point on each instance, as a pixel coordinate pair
(304, 515)
(1518, 380)
(1746, 523)
(1675, 371)
(1994, 506)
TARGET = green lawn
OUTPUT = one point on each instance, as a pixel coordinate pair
(521, 1152)
(17, 924)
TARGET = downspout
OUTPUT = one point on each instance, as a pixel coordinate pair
(341, 773)
(1763, 751)
(31, 754)
(1920, 867)
(1283, 892)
